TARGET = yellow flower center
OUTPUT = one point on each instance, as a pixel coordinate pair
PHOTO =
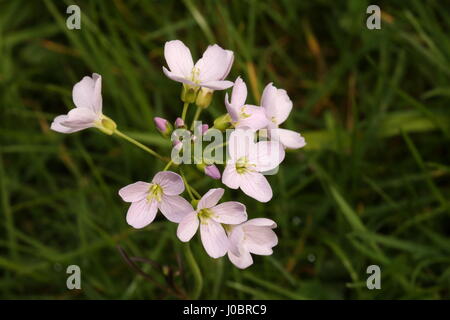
(243, 165)
(155, 192)
(204, 214)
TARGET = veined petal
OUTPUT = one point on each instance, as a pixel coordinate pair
(141, 213)
(83, 93)
(97, 101)
(244, 260)
(134, 192)
(230, 177)
(171, 182)
(277, 104)
(217, 85)
(252, 117)
(178, 78)
(178, 58)
(231, 109)
(174, 208)
(261, 222)
(80, 117)
(210, 199)
(213, 65)
(188, 227)
(288, 138)
(255, 185)
(214, 238)
(229, 62)
(269, 154)
(58, 127)
(239, 93)
(241, 143)
(230, 212)
(260, 240)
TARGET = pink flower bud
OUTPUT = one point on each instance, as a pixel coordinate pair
(205, 128)
(212, 171)
(179, 123)
(160, 123)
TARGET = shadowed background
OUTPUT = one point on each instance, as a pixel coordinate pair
(371, 187)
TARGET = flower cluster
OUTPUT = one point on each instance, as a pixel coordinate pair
(224, 226)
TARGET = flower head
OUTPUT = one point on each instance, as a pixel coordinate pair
(209, 216)
(253, 236)
(87, 97)
(248, 160)
(209, 71)
(162, 193)
(244, 115)
(278, 106)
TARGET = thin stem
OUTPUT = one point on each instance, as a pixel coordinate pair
(188, 187)
(185, 108)
(168, 165)
(197, 114)
(198, 284)
(138, 144)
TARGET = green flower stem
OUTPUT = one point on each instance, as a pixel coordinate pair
(198, 284)
(140, 145)
(197, 114)
(185, 108)
(168, 165)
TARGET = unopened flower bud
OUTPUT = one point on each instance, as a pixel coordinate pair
(163, 126)
(189, 93)
(205, 128)
(223, 122)
(179, 123)
(204, 98)
(212, 171)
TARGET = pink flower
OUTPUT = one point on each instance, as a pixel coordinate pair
(209, 72)
(212, 171)
(161, 124)
(254, 236)
(87, 97)
(243, 115)
(162, 193)
(209, 215)
(277, 106)
(179, 123)
(246, 162)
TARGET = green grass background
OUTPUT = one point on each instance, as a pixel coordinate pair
(371, 187)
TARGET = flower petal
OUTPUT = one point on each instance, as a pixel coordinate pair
(174, 208)
(269, 154)
(261, 222)
(230, 177)
(178, 78)
(80, 117)
(83, 93)
(230, 212)
(252, 117)
(134, 192)
(217, 85)
(58, 127)
(229, 62)
(97, 100)
(260, 240)
(210, 198)
(141, 213)
(277, 104)
(171, 182)
(255, 185)
(241, 143)
(188, 227)
(239, 93)
(214, 64)
(214, 238)
(178, 58)
(288, 138)
(244, 260)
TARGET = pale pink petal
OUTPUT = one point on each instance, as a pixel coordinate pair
(141, 213)
(214, 238)
(232, 109)
(244, 260)
(230, 212)
(178, 78)
(178, 58)
(58, 127)
(134, 192)
(277, 104)
(174, 208)
(260, 240)
(171, 182)
(217, 85)
(97, 101)
(288, 138)
(83, 93)
(268, 100)
(269, 154)
(230, 177)
(80, 117)
(229, 62)
(252, 117)
(236, 237)
(241, 143)
(261, 222)
(188, 227)
(211, 198)
(255, 185)
(214, 64)
(239, 93)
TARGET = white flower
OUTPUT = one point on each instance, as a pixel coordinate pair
(210, 71)
(210, 215)
(277, 106)
(244, 115)
(247, 160)
(162, 193)
(87, 97)
(253, 236)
